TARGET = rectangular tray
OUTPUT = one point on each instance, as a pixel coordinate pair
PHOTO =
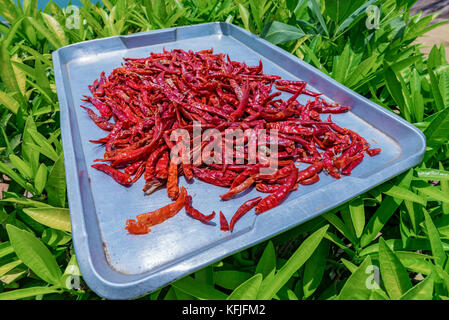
(117, 265)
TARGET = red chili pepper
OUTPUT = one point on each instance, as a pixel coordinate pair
(238, 189)
(135, 227)
(151, 97)
(373, 152)
(161, 169)
(160, 215)
(132, 168)
(310, 171)
(275, 198)
(215, 177)
(120, 177)
(356, 161)
(244, 208)
(194, 213)
(224, 226)
(99, 121)
(313, 179)
(172, 181)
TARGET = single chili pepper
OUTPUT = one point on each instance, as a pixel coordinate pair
(252, 170)
(132, 168)
(99, 121)
(313, 179)
(151, 186)
(172, 181)
(120, 177)
(224, 226)
(194, 213)
(238, 113)
(238, 189)
(105, 111)
(215, 177)
(187, 170)
(161, 169)
(275, 198)
(160, 215)
(135, 227)
(139, 172)
(310, 171)
(150, 164)
(270, 188)
(373, 152)
(244, 208)
(356, 161)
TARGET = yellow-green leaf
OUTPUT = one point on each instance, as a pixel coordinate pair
(56, 218)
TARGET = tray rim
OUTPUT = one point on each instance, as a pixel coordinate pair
(137, 285)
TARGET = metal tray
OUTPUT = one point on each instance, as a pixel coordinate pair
(117, 265)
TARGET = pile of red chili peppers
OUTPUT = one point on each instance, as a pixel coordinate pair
(148, 98)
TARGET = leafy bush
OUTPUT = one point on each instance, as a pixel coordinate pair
(401, 226)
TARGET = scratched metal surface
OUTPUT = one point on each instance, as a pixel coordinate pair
(118, 265)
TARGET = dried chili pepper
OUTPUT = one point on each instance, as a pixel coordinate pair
(146, 99)
(172, 181)
(224, 226)
(160, 215)
(194, 213)
(118, 176)
(244, 208)
(276, 197)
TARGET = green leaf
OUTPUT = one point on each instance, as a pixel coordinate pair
(279, 32)
(56, 185)
(26, 202)
(41, 178)
(34, 254)
(45, 32)
(444, 185)
(384, 212)
(421, 291)
(435, 241)
(56, 218)
(9, 266)
(27, 292)
(21, 166)
(362, 283)
(355, 16)
(395, 88)
(9, 102)
(17, 178)
(314, 269)
(29, 156)
(230, 279)
(247, 290)
(434, 85)
(315, 7)
(198, 289)
(299, 257)
(405, 194)
(394, 275)
(7, 74)
(54, 238)
(433, 192)
(267, 261)
(349, 265)
(332, 218)
(55, 28)
(431, 174)
(244, 15)
(357, 212)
